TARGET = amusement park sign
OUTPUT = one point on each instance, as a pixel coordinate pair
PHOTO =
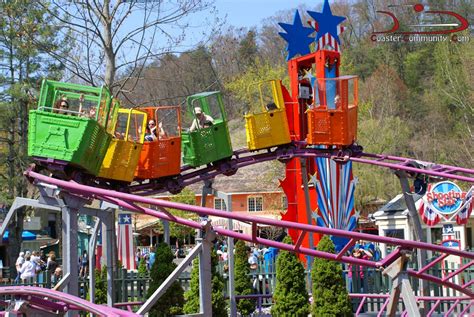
(427, 27)
(446, 198)
(446, 201)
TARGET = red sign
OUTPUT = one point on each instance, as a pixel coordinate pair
(446, 28)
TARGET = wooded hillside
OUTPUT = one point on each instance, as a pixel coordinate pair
(416, 99)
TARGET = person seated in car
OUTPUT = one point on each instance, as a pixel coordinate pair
(271, 106)
(201, 121)
(61, 106)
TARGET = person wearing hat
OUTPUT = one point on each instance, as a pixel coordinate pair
(201, 121)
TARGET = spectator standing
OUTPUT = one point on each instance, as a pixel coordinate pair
(253, 263)
(269, 260)
(19, 263)
(257, 252)
(57, 275)
(40, 265)
(224, 254)
(358, 254)
(43, 257)
(84, 264)
(51, 264)
(51, 253)
(138, 256)
(151, 257)
(28, 269)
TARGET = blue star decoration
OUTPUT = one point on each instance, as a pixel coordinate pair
(124, 219)
(297, 36)
(327, 23)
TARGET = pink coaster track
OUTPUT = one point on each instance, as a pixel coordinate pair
(242, 158)
(130, 202)
(38, 300)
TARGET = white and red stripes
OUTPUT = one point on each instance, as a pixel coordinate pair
(327, 39)
(125, 241)
(427, 214)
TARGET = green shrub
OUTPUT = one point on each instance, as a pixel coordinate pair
(171, 302)
(100, 286)
(219, 306)
(330, 296)
(142, 270)
(291, 297)
(243, 282)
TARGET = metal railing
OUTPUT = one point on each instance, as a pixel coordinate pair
(368, 287)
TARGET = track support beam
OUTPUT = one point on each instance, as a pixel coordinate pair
(309, 212)
(415, 223)
(397, 271)
(169, 281)
(205, 275)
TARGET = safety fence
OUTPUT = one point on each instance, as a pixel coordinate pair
(368, 287)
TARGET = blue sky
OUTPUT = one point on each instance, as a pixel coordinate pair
(241, 13)
(238, 13)
(247, 13)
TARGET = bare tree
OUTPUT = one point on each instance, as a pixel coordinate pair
(272, 233)
(119, 36)
(169, 79)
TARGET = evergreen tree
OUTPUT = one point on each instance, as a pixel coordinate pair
(243, 283)
(219, 306)
(142, 270)
(100, 296)
(290, 291)
(330, 296)
(26, 31)
(191, 297)
(171, 302)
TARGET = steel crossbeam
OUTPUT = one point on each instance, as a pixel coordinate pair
(456, 272)
(433, 263)
(299, 241)
(346, 248)
(436, 299)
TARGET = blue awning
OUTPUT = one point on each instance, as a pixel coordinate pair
(26, 235)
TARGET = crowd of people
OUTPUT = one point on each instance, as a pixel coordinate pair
(260, 260)
(147, 255)
(30, 264)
